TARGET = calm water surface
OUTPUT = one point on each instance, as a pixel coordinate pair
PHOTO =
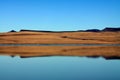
(59, 44)
(58, 68)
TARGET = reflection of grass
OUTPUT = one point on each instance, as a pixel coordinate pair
(61, 51)
(58, 38)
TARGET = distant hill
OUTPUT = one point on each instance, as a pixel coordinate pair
(89, 30)
(93, 30)
(111, 29)
(12, 31)
(22, 30)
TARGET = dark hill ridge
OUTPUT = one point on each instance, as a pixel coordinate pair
(12, 31)
(93, 30)
(111, 29)
(22, 30)
(89, 30)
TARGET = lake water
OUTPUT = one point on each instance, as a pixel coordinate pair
(58, 68)
(59, 44)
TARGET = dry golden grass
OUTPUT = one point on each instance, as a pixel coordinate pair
(60, 38)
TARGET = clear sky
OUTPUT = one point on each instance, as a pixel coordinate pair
(57, 15)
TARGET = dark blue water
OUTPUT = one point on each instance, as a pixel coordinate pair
(58, 68)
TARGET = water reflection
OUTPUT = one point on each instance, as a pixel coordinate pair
(102, 50)
(59, 44)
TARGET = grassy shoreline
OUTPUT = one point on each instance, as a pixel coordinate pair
(60, 38)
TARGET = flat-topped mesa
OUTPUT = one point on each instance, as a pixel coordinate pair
(111, 29)
(93, 30)
(88, 30)
(22, 30)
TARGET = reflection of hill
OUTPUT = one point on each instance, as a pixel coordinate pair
(108, 52)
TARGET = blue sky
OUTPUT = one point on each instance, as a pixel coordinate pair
(58, 15)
